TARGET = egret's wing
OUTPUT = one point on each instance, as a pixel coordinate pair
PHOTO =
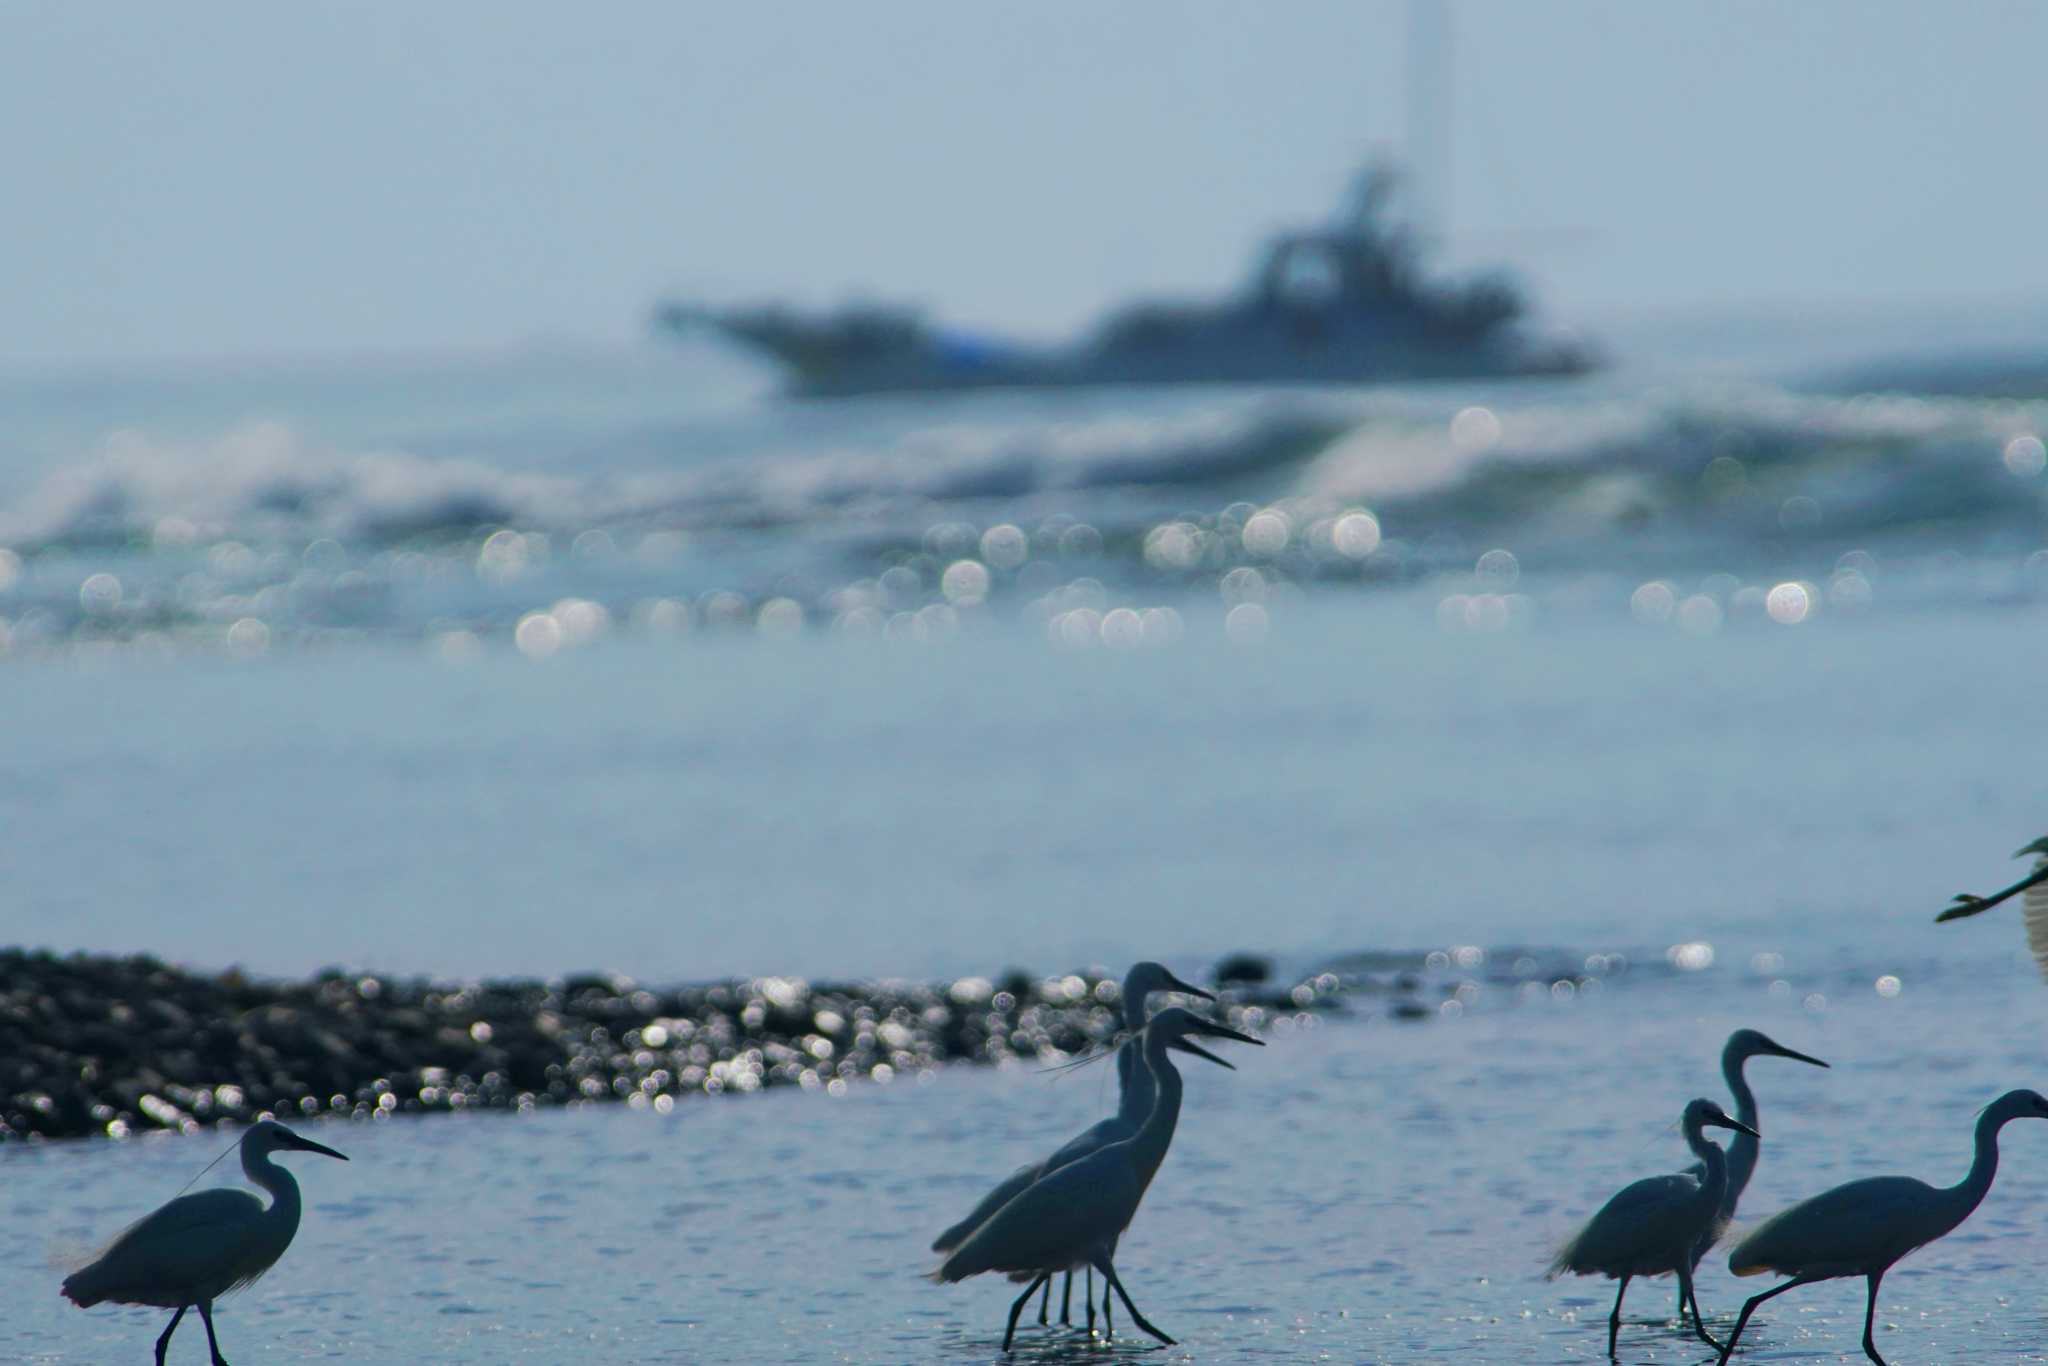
(1006, 1190)
(2035, 909)
(1100, 1135)
(195, 1240)
(1638, 1218)
(1053, 1223)
(1653, 1193)
(1881, 1217)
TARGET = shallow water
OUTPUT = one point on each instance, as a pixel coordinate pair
(829, 807)
(1355, 1192)
(522, 669)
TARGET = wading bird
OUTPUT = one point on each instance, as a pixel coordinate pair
(201, 1246)
(1862, 1228)
(1135, 1094)
(1742, 1045)
(1073, 1216)
(1650, 1228)
(2034, 910)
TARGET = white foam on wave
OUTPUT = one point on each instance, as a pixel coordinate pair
(1658, 431)
(266, 481)
(261, 481)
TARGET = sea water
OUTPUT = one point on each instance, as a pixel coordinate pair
(546, 665)
(1353, 1192)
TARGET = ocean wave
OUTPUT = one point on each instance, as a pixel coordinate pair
(1737, 463)
(267, 482)
(266, 532)
(1736, 454)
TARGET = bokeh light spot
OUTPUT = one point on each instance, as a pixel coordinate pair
(1475, 429)
(1246, 624)
(1789, 603)
(1356, 534)
(538, 635)
(2026, 456)
(1005, 546)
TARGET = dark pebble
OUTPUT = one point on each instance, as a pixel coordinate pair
(99, 1045)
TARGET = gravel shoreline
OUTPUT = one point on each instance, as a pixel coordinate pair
(115, 1046)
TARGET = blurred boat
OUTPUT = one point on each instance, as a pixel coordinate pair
(1351, 302)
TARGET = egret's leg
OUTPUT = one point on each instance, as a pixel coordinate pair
(1742, 1319)
(1045, 1304)
(1088, 1302)
(1870, 1320)
(1687, 1293)
(212, 1344)
(1018, 1307)
(1614, 1319)
(1109, 1274)
(1698, 1255)
(1108, 1328)
(1067, 1300)
(163, 1344)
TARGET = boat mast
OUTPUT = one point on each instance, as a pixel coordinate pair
(1427, 132)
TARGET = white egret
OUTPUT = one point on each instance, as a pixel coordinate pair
(1073, 1216)
(1861, 1228)
(1649, 1228)
(1742, 1045)
(1135, 1095)
(2034, 910)
(199, 1247)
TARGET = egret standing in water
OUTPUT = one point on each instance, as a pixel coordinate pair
(1742, 1045)
(1862, 1228)
(201, 1246)
(1650, 1228)
(2034, 910)
(1135, 1094)
(1074, 1216)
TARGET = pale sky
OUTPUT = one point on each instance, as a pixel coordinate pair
(249, 179)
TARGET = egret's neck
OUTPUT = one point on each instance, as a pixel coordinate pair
(1742, 1149)
(1134, 1007)
(1157, 1133)
(1715, 1183)
(1972, 1189)
(1136, 1090)
(284, 1191)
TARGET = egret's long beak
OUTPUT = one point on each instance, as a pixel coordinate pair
(1214, 1030)
(1184, 1046)
(1967, 904)
(1778, 1050)
(1737, 1125)
(1175, 984)
(308, 1145)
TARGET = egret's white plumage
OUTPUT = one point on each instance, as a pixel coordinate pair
(1862, 1228)
(1743, 1149)
(1073, 1216)
(202, 1246)
(2033, 905)
(1135, 1096)
(1650, 1227)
